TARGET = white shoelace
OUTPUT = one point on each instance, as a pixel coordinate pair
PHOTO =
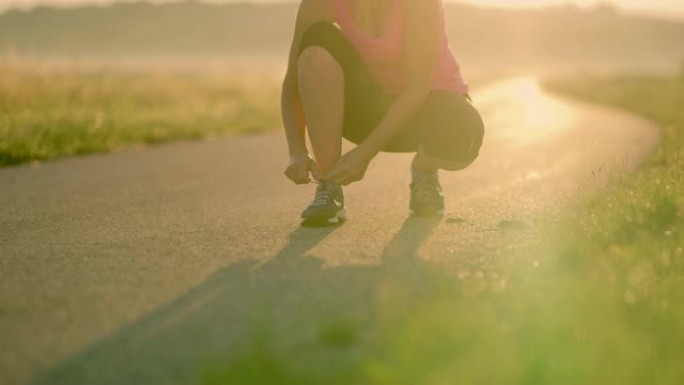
(322, 198)
(324, 194)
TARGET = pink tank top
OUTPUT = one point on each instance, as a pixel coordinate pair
(384, 55)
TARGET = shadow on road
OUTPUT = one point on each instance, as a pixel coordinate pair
(295, 304)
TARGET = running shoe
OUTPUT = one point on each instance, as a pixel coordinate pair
(426, 196)
(327, 207)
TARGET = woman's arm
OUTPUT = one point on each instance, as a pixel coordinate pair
(301, 164)
(310, 12)
(421, 47)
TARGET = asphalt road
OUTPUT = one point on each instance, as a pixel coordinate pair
(132, 267)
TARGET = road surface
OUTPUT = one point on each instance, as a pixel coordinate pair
(131, 267)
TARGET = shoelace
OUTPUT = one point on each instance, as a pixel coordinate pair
(425, 188)
(324, 194)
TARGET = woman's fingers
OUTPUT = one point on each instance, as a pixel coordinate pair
(297, 175)
(315, 172)
(343, 176)
(303, 176)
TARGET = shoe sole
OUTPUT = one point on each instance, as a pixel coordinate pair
(438, 213)
(339, 218)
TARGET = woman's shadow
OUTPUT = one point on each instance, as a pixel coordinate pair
(291, 302)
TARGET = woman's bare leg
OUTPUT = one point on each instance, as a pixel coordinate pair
(321, 88)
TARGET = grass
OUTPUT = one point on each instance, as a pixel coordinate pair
(597, 298)
(45, 114)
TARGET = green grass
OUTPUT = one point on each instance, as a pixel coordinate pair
(55, 113)
(596, 298)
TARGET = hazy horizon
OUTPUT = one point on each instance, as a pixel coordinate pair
(663, 8)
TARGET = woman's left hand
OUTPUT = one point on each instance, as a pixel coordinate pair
(350, 168)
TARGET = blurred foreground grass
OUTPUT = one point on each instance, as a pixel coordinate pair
(595, 298)
(56, 112)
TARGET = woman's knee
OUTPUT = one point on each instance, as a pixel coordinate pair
(455, 165)
(322, 49)
(317, 69)
(442, 163)
(317, 60)
(455, 145)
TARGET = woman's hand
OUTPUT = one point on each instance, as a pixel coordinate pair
(350, 168)
(301, 168)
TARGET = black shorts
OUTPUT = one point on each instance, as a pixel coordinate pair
(446, 126)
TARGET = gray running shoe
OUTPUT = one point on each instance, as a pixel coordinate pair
(327, 207)
(426, 196)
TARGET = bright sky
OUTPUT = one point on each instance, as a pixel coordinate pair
(671, 8)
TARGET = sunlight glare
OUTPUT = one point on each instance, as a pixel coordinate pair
(538, 116)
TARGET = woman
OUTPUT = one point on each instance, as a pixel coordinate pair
(379, 73)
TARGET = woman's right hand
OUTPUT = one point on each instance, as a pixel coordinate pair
(301, 169)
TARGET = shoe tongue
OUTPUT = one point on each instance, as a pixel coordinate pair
(328, 186)
(426, 178)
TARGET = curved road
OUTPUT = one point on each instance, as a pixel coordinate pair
(129, 267)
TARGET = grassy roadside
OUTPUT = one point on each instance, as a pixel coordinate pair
(49, 114)
(625, 247)
(598, 300)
